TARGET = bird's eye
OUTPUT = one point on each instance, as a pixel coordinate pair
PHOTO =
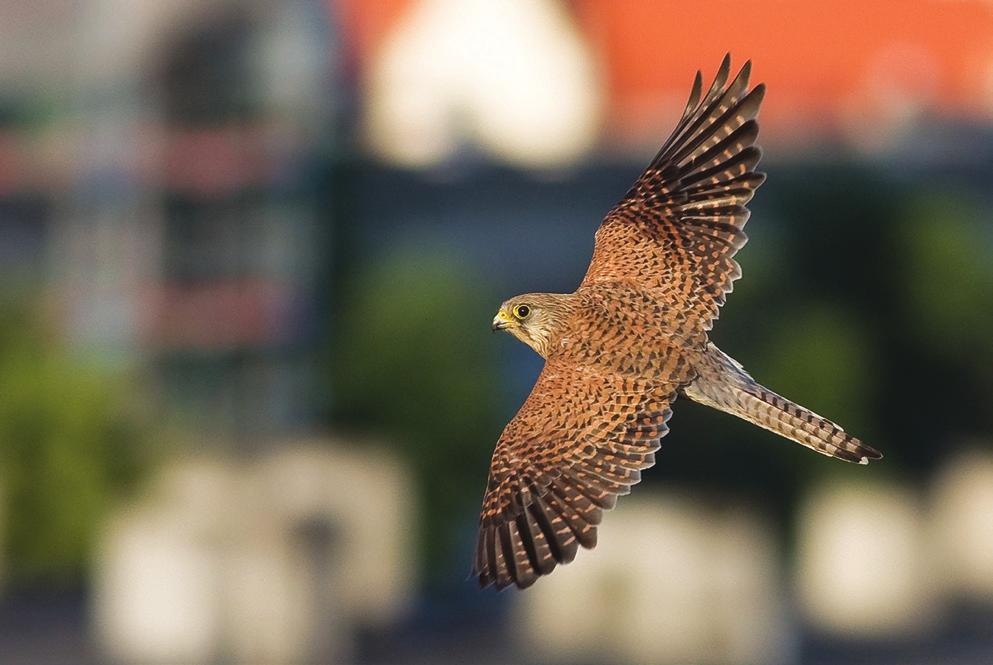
(522, 311)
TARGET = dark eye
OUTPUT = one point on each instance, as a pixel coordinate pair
(522, 311)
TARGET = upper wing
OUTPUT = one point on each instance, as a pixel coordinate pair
(579, 440)
(679, 226)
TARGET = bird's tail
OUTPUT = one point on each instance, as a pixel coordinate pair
(724, 385)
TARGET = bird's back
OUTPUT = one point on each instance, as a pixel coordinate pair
(632, 331)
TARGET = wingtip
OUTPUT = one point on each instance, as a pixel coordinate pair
(751, 156)
(695, 91)
(746, 70)
(725, 67)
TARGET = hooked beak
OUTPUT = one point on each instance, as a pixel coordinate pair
(501, 321)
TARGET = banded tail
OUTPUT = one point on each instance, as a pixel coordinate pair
(725, 386)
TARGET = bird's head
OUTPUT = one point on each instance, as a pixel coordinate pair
(534, 318)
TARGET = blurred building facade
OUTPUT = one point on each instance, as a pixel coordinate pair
(192, 221)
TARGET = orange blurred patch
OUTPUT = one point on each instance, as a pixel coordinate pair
(821, 60)
(367, 23)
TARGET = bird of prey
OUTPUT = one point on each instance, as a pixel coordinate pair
(632, 337)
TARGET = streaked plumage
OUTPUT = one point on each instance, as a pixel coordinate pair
(630, 339)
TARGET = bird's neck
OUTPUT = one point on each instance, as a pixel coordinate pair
(559, 310)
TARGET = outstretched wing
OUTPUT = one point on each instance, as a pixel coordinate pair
(679, 227)
(580, 440)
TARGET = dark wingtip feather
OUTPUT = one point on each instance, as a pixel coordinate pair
(722, 74)
(743, 75)
(751, 156)
(695, 91)
(759, 92)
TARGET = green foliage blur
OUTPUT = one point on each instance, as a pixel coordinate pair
(404, 366)
(952, 274)
(70, 444)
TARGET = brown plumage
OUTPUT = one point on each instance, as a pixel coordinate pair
(632, 336)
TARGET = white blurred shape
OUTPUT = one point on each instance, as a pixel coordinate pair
(962, 525)
(367, 498)
(862, 567)
(276, 561)
(669, 582)
(513, 76)
(156, 585)
(266, 610)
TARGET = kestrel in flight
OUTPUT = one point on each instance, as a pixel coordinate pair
(630, 339)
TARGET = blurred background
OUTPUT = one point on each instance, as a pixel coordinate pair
(249, 253)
